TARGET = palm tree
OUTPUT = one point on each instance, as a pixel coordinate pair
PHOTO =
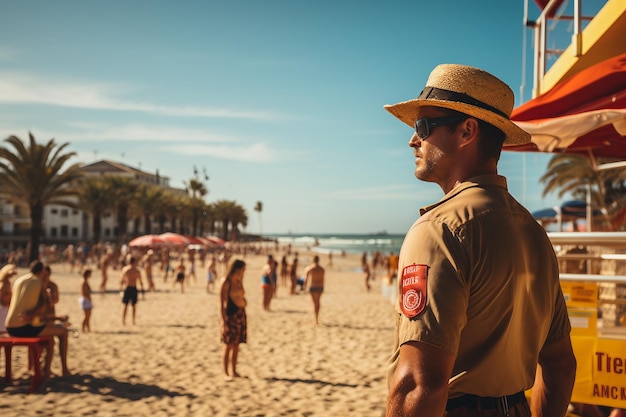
(33, 176)
(163, 207)
(228, 212)
(197, 191)
(94, 197)
(196, 188)
(123, 194)
(576, 174)
(222, 208)
(238, 216)
(176, 212)
(196, 207)
(208, 218)
(184, 215)
(148, 199)
(259, 208)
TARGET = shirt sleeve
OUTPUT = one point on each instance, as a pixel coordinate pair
(560, 326)
(441, 321)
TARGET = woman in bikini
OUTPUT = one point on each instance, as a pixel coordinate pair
(233, 315)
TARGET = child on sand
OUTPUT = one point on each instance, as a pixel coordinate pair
(85, 300)
(179, 273)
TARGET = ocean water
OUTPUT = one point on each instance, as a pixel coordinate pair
(338, 243)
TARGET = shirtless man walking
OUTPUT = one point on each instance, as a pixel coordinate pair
(131, 276)
(314, 281)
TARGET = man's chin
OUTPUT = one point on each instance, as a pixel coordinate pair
(422, 176)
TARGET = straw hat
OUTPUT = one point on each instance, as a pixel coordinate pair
(468, 90)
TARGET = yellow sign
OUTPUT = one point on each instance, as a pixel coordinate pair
(581, 299)
(580, 294)
(601, 371)
(584, 321)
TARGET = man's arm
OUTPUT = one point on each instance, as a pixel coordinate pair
(419, 385)
(308, 272)
(54, 292)
(554, 380)
(123, 278)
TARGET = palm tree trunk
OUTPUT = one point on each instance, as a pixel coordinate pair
(136, 224)
(122, 226)
(147, 225)
(97, 226)
(194, 223)
(225, 229)
(161, 221)
(36, 216)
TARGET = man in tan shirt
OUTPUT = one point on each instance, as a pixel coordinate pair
(26, 316)
(480, 316)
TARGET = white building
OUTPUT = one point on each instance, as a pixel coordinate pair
(64, 225)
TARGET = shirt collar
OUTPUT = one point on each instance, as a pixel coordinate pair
(478, 181)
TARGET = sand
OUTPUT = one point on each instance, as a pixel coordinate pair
(169, 363)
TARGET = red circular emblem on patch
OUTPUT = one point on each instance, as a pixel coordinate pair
(413, 287)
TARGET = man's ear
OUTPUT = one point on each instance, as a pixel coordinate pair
(469, 130)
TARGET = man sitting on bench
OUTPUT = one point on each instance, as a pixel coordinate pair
(28, 306)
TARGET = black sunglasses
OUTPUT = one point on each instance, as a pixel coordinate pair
(423, 126)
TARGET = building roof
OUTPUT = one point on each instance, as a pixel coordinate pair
(106, 167)
(111, 167)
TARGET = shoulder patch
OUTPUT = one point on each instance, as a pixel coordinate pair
(413, 288)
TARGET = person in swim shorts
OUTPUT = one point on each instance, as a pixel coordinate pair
(131, 277)
(179, 272)
(314, 281)
(85, 300)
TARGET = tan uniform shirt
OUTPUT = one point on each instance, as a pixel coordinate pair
(480, 278)
(27, 292)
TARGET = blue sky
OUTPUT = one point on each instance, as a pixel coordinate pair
(279, 101)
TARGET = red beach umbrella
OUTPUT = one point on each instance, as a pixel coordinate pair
(216, 240)
(194, 240)
(205, 242)
(583, 114)
(174, 239)
(146, 241)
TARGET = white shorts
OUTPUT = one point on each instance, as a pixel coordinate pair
(85, 303)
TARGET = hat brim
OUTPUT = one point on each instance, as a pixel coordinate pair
(407, 112)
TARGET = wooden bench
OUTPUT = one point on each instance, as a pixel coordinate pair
(35, 346)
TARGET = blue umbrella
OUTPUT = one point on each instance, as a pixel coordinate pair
(547, 214)
(577, 209)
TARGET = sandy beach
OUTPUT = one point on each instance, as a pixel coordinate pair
(169, 363)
